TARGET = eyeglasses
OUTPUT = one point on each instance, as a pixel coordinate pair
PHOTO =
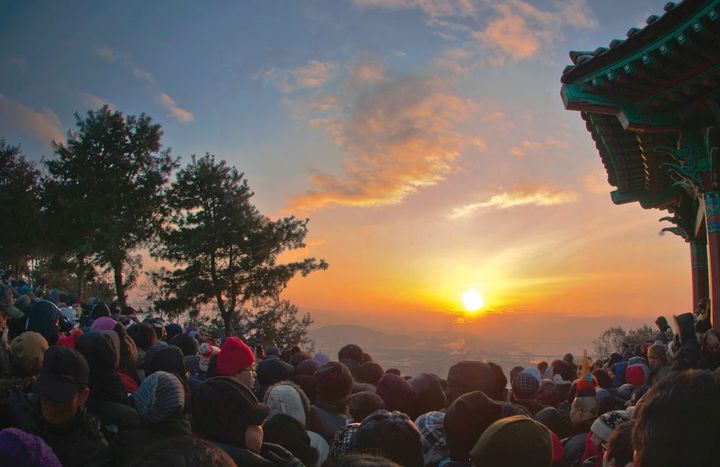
(251, 369)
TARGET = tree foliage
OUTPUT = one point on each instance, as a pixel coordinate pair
(105, 189)
(19, 207)
(224, 249)
(612, 339)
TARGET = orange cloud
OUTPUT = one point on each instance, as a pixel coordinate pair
(313, 74)
(430, 7)
(519, 195)
(182, 115)
(512, 36)
(44, 126)
(597, 182)
(539, 147)
(400, 134)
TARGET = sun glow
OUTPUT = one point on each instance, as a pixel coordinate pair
(473, 300)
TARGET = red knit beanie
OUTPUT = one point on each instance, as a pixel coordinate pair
(234, 357)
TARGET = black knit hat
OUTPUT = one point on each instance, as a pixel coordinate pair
(393, 435)
(223, 408)
(286, 431)
(166, 358)
(334, 382)
(468, 376)
(465, 421)
(273, 370)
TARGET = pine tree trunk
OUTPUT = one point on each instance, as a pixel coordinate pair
(119, 286)
(80, 271)
(227, 319)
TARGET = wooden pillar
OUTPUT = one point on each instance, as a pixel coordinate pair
(699, 258)
(712, 221)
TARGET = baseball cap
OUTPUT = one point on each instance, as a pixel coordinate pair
(64, 373)
(7, 302)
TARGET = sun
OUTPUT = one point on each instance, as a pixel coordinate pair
(473, 300)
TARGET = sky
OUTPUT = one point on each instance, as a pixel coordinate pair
(425, 140)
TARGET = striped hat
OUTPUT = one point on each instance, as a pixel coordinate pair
(159, 396)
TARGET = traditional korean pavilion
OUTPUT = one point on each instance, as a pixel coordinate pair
(651, 102)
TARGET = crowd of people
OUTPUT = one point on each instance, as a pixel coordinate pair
(97, 386)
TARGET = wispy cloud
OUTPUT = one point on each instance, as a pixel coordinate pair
(44, 126)
(175, 111)
(543, 146)
(313, 74)
(597, 182)
(434, 8)
(400, 134)
(179, 113)
(519, 195)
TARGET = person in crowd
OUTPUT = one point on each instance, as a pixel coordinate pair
(429, 394)
(664, 334)
(56, 410)
(236, 360)
(619, 451)
(710, 351)
(583, 412)
(288, 432)
(465, 421)
(108, 397)
(467, 376)
(10, 315)
(391, 434)
(525, 387)
(288, 398)
(127, 351)
(688, 352)
(270, 371)
(671, 421)
(187, 344)
(183, 452)
(159, 402)
(501, 381)
(432, 437)
(20, 449)
(369, 373)
(658, 363)
(330, 413)
(351, 352)
(398, 394)
(206, 351)
(26, 358)
(144, 337)
(227, 413)
(165, 357)
(362, 404)
(599, 434)
(514, 441)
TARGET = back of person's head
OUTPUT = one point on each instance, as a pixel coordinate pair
(619, 445)
(307, 367)
(166, 358)
(551, 418)
(186, 343)
(334, 382)
(603, 378)
(525, 385)
(352, 352)
(128, 349)
(392, 435)
(100, 349)
(289, 433)
(143, 334)
(222, 409)
(429, 393)
(299, 357)
(159, 397)
(182, 452)
(362, 404)
(466, 420)
(172, 330)
(514, 441)
(369, 373)
(288, 398)
(500, 378)
(27, 352)
(468, 376)
(397, 393)
(359, 460)
(273, 370)
(675, 421)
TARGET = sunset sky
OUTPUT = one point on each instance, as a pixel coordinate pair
(426, 141)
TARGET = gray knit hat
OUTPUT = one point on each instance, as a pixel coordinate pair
(159, 396)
